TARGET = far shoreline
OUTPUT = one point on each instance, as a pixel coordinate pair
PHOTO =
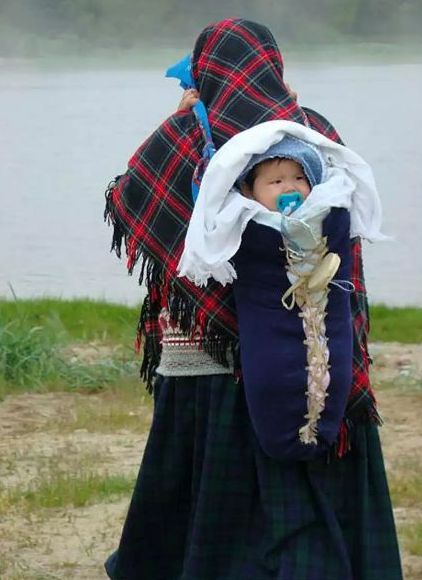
(158, 57)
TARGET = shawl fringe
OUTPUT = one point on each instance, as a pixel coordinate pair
(193, 321)
(111, 218)
(343, 443)
(151, 343)
(148, 331)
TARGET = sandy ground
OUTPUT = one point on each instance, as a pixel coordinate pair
(36, 435)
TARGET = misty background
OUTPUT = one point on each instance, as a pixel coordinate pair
(41, 27)
(82, 85)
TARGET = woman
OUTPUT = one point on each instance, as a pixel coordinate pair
(208, 502)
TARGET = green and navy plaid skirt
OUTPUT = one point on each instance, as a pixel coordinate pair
(210, 505)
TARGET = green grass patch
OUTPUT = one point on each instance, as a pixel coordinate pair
(65, 489)
(395, 324)
(88, 320)
(34, 336)
(29, 362)
(74, 320)
(37, 335)
(406, 485)
(26, 352)
(408, 384)
(117, 409)
(83, 378)
(412, 538)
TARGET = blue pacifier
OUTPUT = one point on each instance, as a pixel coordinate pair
(287, 203)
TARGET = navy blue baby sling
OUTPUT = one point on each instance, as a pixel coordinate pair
(273, 354)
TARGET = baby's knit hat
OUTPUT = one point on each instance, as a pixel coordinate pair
(307, 155)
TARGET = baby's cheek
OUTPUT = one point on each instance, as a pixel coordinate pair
(305, 191)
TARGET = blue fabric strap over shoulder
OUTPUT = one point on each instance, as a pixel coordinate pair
(208, 151)
(182, 71)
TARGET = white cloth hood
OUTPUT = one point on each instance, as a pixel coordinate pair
(221, 213)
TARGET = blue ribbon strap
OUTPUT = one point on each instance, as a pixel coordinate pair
(182, 71)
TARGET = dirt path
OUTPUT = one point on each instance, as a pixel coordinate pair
(41, 435)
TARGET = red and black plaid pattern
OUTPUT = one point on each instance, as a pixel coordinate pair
(239, 72)
(361, 395)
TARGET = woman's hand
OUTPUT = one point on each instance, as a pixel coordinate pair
(189, 99)
(292, 93)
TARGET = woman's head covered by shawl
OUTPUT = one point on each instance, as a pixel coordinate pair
(238, 70)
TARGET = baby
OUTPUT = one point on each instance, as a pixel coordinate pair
(283, 177)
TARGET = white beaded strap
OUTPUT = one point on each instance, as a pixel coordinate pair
(311, 273)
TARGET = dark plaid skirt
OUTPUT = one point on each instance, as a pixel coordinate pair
(210, 505)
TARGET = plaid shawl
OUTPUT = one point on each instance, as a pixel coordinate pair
(238, 69)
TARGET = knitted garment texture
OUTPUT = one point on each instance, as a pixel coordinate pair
(183, 356)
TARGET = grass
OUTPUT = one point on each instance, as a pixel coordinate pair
(396, 324)
(36, 337)
(116, 409)
(405, 484)
(402, 383)
(406, 487)
(26, 352)
(77, 320)
(412, 538)
(89, 320)
(65, 489)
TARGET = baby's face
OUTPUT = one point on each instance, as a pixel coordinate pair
(276, 177)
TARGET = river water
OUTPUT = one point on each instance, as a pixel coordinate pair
(64, 135)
